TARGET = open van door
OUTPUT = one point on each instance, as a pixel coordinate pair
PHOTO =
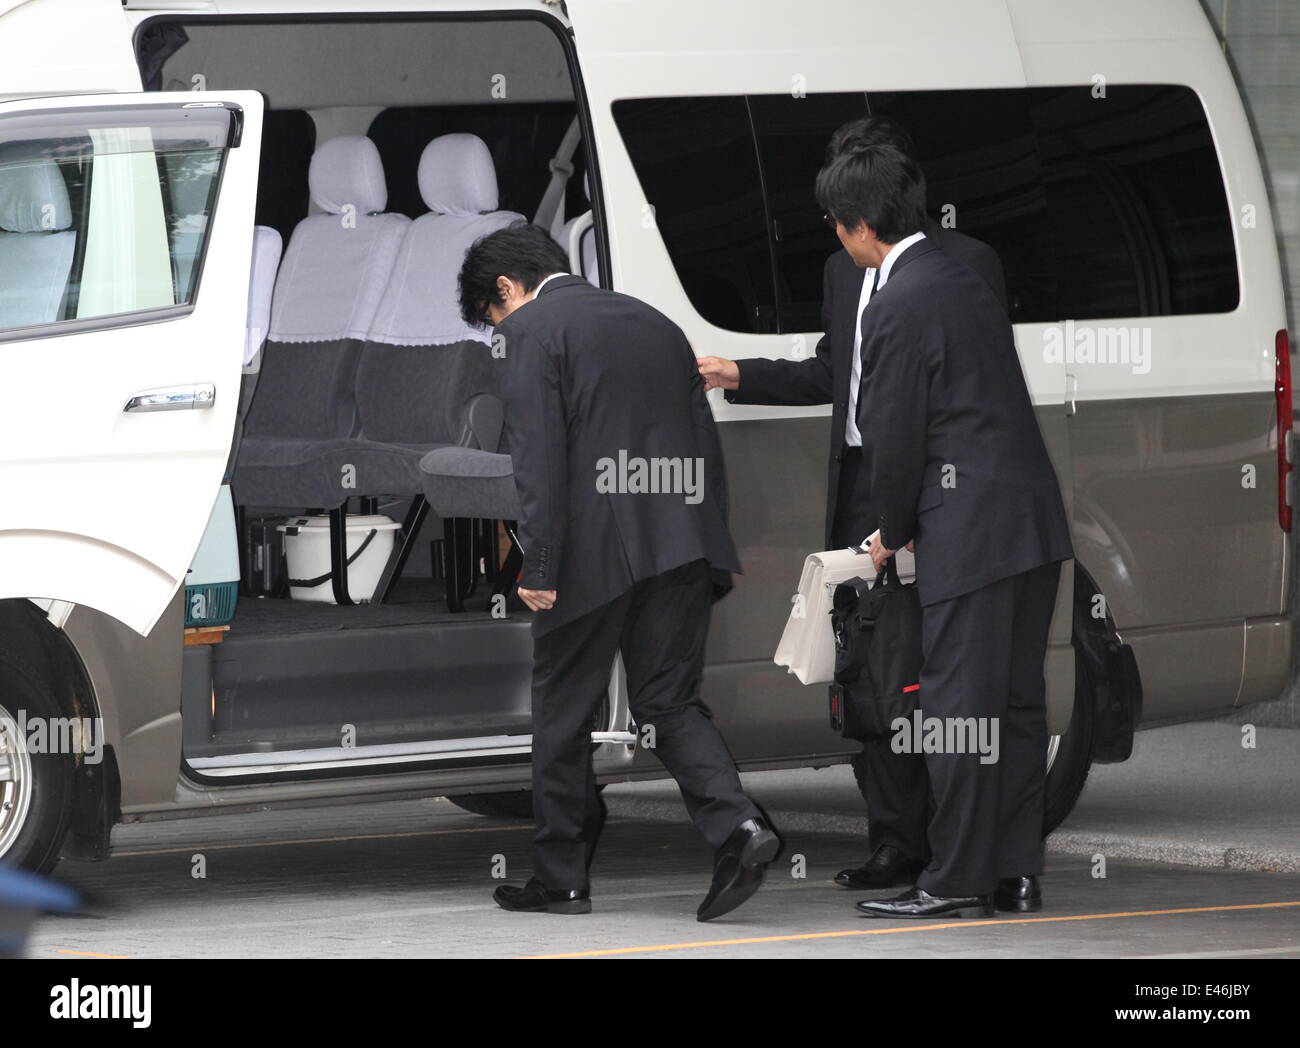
(126, 227)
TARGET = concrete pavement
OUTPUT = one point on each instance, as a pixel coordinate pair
(1191, 794)
(414, 878)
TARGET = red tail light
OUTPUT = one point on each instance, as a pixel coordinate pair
(1282, 391)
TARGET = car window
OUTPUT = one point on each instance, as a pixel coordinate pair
(104, 215)
(1099, 205)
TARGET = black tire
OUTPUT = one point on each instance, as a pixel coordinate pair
(1073, 760)
(1069, 770)
(515, 804)
(38, 842)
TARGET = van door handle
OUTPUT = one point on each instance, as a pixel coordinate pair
(174, 398)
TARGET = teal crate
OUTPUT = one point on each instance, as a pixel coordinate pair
(211, 605)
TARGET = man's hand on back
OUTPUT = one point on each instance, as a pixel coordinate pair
(719, 373)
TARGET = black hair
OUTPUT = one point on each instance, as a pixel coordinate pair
(875, 130)
(523, 252)
(876, 184)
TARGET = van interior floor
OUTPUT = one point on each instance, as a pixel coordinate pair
(417, 601)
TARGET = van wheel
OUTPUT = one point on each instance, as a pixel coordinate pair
(1070, 755)
(514, 804)
(36, 789)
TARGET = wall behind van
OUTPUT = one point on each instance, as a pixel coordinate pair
(1261, 39)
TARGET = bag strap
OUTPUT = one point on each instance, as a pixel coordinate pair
(308, 583)
(888, 575)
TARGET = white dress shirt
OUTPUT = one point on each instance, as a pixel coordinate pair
(852, 437)
(544, 283)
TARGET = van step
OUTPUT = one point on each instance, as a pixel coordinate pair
(382, 685)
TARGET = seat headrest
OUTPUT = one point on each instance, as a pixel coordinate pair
(347, 170)
(33, 197)
(457, 175)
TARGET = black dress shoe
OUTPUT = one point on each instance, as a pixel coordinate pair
(887, 867)
(535, 897)
(920, 903)
(738, 867)
(1019, 895)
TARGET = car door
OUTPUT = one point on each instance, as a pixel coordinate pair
(126, 225)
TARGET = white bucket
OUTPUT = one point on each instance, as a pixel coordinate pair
(307, 550)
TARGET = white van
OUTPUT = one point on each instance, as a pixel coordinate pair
(151, 150)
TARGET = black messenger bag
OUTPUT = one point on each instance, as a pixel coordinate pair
(877, 654)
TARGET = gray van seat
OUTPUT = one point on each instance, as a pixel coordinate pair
(467, 482)
(421, 364)
(36, 241)
(268, 246)
(330, 284)
(426, 377)
(458, 183)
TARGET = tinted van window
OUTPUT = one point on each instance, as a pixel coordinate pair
(791, 134)
(1107, 206)
(1099, 206)
(696, 162)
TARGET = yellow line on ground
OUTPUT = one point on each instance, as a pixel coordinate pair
(900, 929)
(318, 840)
(106, 956)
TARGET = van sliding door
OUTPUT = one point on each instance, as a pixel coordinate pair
(126, 226)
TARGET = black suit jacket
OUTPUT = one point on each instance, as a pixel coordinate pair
(824, 377)
(951, 451)
(594, 381)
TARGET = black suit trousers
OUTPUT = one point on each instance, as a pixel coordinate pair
(659, 625)
(894, 785)
(984, 654)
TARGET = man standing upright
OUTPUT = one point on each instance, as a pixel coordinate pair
(894, 785)
(620, 478)
(956, 465)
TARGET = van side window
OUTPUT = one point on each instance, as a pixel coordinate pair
(697, 165)
(104, 214)
(731, 181)
(791, 133)
(1098, 206)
